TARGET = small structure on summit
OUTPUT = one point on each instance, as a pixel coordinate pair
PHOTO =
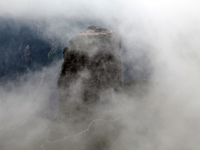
(94, 30)
(92, 64)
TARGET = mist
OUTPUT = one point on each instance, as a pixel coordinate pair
(161, 114)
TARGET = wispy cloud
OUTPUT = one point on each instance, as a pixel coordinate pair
(163, 116)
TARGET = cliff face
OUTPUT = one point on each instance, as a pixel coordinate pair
(91, 65)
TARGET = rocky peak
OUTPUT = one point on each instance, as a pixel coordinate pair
(91, 64)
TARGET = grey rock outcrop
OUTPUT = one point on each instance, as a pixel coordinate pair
(90, 74)
(91, 65)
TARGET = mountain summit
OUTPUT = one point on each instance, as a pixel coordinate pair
(92, 64)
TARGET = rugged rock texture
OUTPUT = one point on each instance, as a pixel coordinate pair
(91, 65)
(90, 74)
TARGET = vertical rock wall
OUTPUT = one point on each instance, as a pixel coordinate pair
(91, 65)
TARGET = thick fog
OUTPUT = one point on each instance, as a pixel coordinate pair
(162, 114)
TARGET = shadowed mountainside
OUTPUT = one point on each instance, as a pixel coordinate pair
(93, 62)
(91, 73)
(23, 47)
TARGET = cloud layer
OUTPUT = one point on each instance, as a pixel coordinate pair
(164, 115)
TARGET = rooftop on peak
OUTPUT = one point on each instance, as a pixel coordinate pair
(92, 27)
(94, 30)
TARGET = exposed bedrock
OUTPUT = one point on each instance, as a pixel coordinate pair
(90, 74)
(91, 65)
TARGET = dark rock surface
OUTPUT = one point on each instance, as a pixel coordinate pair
(90, 73)
(91, 94)
(93, 59)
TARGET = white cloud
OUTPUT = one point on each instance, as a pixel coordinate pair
(168, 114)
